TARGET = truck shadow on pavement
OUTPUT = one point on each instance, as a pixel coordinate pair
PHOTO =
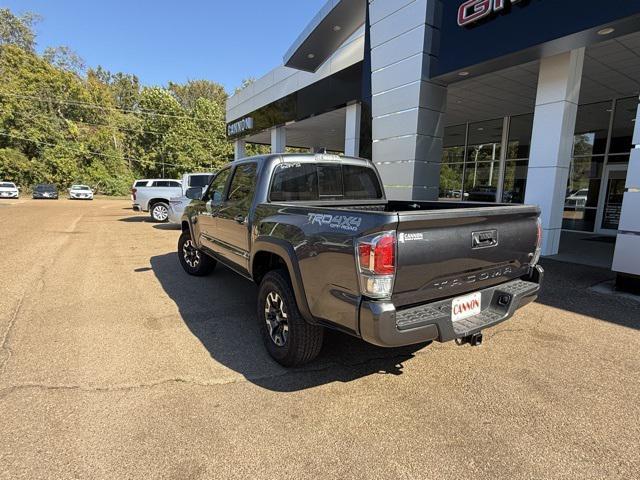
(567, 287)
(220, 310)
(136, 219)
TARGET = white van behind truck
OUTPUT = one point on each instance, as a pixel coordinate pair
(153, 195)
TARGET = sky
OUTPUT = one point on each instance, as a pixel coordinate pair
(224, 41)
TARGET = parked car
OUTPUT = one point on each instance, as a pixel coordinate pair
(154, 195)
(80, 192)
(482, 194)
(45, 191)
(9, 190)
(328, 250)
(577, 199)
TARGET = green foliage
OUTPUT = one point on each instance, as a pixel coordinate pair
(17, 30)
(13, 164)
(60, 125)
(189, 93)
(64, 58)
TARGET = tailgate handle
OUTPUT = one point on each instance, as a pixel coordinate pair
(486, 239)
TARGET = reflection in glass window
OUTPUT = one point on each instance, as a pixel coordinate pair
(520, 129)
(295, 182)
(483, 160)
(452, 168)
(243, 183)
(451, 181)
(330, 181)
(592, 128)
(623, 125)
(515, 181)
(581, 199)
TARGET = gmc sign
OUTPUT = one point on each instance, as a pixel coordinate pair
(472, 11)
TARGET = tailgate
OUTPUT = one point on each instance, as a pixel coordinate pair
(446, 253)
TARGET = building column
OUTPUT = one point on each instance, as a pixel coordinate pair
(407, 109)
(554, 124)
(626, 260)
(352, 130)
(239, 149)
(278, 139)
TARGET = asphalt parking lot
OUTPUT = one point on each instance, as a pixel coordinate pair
(115, 364)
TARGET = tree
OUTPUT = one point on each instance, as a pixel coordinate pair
(18, 30)
(65, 59)
(59, 124)
(189, 93)
(125, 87)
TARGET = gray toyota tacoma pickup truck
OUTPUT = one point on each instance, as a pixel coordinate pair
(328, 250)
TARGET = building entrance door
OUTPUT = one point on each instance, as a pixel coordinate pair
(610, 200)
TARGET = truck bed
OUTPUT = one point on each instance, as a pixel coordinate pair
(436, 256)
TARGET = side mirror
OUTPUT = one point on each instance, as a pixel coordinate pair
(194, 193)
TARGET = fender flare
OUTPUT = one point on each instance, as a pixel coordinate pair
(285, 251)
(188, 220)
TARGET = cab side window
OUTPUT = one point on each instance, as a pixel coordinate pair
(243, 184)
(216, 189)
(165, 183)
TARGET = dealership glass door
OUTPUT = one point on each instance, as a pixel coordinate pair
(611, 195)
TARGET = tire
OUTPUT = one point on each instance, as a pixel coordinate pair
(160, 212)
(193, 261)
(292, 341)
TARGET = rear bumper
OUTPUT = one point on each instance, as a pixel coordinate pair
(136, 207)
(381, 324)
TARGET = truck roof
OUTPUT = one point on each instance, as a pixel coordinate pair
(304, 157)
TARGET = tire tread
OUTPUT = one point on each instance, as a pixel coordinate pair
(306, 339)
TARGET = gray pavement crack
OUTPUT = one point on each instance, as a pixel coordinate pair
(6, 391)
(4, 345)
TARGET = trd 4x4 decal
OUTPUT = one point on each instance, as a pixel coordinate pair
(340, 222)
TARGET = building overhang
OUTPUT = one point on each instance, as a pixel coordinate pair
(328, 30)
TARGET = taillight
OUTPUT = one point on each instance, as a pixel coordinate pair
(377, 264)
(133, 192)
(536, 255)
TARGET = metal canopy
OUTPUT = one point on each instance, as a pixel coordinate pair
(329, 29)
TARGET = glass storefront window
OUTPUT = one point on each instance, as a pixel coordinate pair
(622, 158)
(592, 129)
(452, 168)
(451, 181)
(623, 125)
(483, 160)
(471, 169)
(515, 181)
(581, 200)
(520, 129)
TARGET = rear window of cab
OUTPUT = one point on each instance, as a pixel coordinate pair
(298, 182)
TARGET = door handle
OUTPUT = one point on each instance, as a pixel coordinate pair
(239, 218)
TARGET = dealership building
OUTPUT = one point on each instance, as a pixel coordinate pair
(515, 101)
